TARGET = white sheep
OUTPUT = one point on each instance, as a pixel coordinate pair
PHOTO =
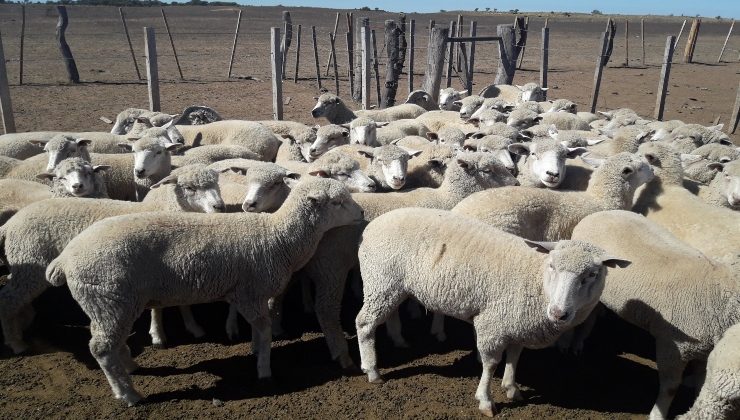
(369, 133)
(717, 152)
(514, 297)
(564, 121)
(125, 119)
(428, 169)
(327, 138)
(499, 129)
(332, 108)
(423, 99)
(543, 161)
(576, 138)
(487, 117)
(250, 134)
(256, 267)
(468, 105)
(388, 165)
(436, 120)
(496, 145)
(680, 296)
(448, 97)
(724, 190)
(563, 105)
(514, 93)
(39, 232)
(522, 118)
(205, 155)
(623, 139)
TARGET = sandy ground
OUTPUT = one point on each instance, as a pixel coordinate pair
(213, 377)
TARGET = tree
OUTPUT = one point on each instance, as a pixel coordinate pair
(596, 12)
(488, 9)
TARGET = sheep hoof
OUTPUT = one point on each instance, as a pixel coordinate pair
(487, 409)
(377, 381)
(514, 394)
(159, 345)
(131, 399)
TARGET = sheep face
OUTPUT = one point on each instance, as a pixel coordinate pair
(392, 163)
(125, 120)
(522, 119)
(196, 189)
(423, 99)
(327, 203)
(450, 136)
(266, 187)
(75, 175)
(545, 159)
(326, 105)
(573, 278)
(364, 134)
(151, 157)
(448, 97)
(327, 138)
(728, 182)
(563, 105)
(487, 170)
(469, 105)
(532, 92)
(498, 147)
(63, 147)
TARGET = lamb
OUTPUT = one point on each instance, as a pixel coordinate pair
(563, 105)
(252, 135)
(724, 190)
(257, 267)
(423, 99)
(564, 121)
(719, 398)
(543, 162)
(522, 118)
(687, 321)
(448, 97)
(469, 105)
(39, 232)
(712, 230)
(545, 215)
(332, 108)
(519, 298)
(515, 93)
(367, 132)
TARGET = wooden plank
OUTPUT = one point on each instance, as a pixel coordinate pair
(130, 46)
(459, 49)
(545, 57)
(642, 39)
(432, 24)
(599, 70)
(735, 113)
(152, 72)
(350, 63)
(334, 32)
(688, 55)
(69, 60)
(233, 46)
(6, 108)
(286, 41)
(23, 36)
(665, 74)
(366, 81)
(626, 43)
(435, 61)
(721, 53)
(276, 58)
(471, 66)
(375, 66)
(316, 56)
(678, 38)
(172, 42)
(357, 59)
(507, 56)
(297, 54)
(336, 70)
(412, 44)
(524, 47)
(450, 56)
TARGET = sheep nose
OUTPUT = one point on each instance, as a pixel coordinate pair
(558, 314)
(76, 186)
(314, 113)
(139, 173)
(249, 205)
(219, 207)
(553, 174)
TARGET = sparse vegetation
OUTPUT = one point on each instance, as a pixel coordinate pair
(514, 11)
(596, 12)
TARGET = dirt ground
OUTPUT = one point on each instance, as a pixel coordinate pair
(213, 377)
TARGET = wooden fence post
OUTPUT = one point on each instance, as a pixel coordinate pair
(599, 70)
(297, 53)
(128, 39)
(471, 66)
(524, 47)
(719, 60)
(394, 66)
(152, 72)
(544, 60)
(735, 113)
(316, 56)
(665, 74)
(507, 57)
(350, 53)
(357, 60)
(233, 46)
(678, 38)
(23, 36)
(69, 61)
(331, 56)
(172, 42)
(451, 55)
(458, 66)
(375, 66)
(626, 43)
(276, 58)
(366, 81)
(336, 70)
(642, 39)
(285, 42)
(6, 108)
(432, 24)
(412, 44)
(435, 61)
(688, 54)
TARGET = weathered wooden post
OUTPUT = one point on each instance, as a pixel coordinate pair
(286, 41)
(451, 56)
(375, 66)
(471, 66)
(233, 46)
(23, 36)
(69, 60)
(719, 60)
(642, 39)
(599, 70)
(357, 72)
(297, 54)
(688, 54)
(350, 53)
(626, 43)
(172, 42)
(507, 55)
(435, 61)
(336, 70)
(432, 24)
(316, 56)
(276, 58)
(544, 59)
(366, 81)
(152, 72)
(735, 113)
(665, 74)
(395, 64)
(128, 39)
(524, 46)
(459, 33)
(331, 56)
(6, 108)
(412, 44)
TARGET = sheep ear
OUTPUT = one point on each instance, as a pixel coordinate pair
(470, 147)
(436, 163)
(716, 166)
(126, 146)
(543, 247)
(470, 135)
(412, 153)
(643, 135)
(576, 151)
(725, 142)
(593, 162)
(170, 179)
(172, 146)
(315, 127)
(613, 262)
(381, 124)
(290, 182)
(552, 131)
(46, 176)
(474, 121)
(395, 142)
(293, 175)
(319, 173)
(99, 168)
(457, 103)
(344, 126)
(717, 127)
(593, 142)
(366, 153)
(40, 143)
(236, 169)
(537, 119)
(432, 136)
(518, 149)
(464, 163)
(544, 89)
(83, 142)
(290, 138)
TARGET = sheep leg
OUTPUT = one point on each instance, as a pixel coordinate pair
(670, 369)
(393, 326)
(414, 309)
(490, 354)
(232, 323)
(276, 313)
(329, 292)
(127, 360)
(190, 324)
(156, 329)
(438, 327)
(261, 338)
(16, 312)
(509, 381)
(375, 310)
(107, 345)
(308, 301)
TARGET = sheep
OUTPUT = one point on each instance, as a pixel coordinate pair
(588, 117)
(564, 121)
(427, 170)
(714, 231)
(522, 118)
(717, 152)
(423, 99)
(344, 168)
(211, 153)
(256, 267)
(469, 105)
(23, 145)
(663, 292)
(448, 97)
(698, 169)
(332, 108)
(719, 398)
(487, 117)
(545, 215)
(263, 187)
(688, 137)
(499, 129)
(39, 232)
(563, 105)
(495, 104)
(327, 138)
(543, 162)
(622, 117)
(126, 118)
(7, 164)
(252, 135)
(519, 298)
(436, 120)
(624, 139)
(196, 115)
(663, 128)
(389, 165)
(450, 135)
(367, 132)
(515, 93)
(724, 190)
(496, 145)
(530, 105)
(574, 138)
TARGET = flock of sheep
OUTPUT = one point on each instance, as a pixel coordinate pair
(516, 214)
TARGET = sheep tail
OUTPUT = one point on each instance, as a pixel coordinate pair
(55, 273)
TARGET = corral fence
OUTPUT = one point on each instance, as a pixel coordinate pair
(367, 58)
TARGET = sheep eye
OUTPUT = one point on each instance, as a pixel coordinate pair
(626, 171)
(61, 178)
(486, 171)
(159, 152)
(190, 189)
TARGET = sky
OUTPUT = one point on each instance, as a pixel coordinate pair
(709, 8)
